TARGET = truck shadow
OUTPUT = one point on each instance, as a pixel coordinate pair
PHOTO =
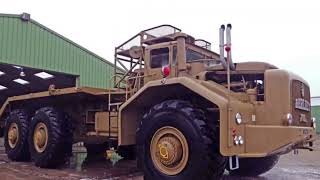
(102, 168)
(229, 177)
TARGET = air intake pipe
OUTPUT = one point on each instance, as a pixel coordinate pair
(226, 47)
(221, 36)
(229, 57)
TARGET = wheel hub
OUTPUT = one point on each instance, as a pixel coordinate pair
(40, 137)
(13, 135)
(169, 150)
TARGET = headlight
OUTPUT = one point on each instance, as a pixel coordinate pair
(238, 140)
(289, 118)
(238, 118)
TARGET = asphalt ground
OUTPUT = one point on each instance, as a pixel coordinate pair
(305, 165)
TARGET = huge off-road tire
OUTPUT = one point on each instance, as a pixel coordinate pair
(175, 141)
(255, 166)
(49, 138)
(16, 136)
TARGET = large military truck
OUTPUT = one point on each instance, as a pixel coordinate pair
(183, 110)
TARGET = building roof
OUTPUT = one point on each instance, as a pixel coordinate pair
(29, 44)
(56, 34)
(28, 49)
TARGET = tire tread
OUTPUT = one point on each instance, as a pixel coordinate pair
(215, 165)
(59, 143)
(22, 151)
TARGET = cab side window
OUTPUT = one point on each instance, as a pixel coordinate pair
(192, 55)
(159, 57)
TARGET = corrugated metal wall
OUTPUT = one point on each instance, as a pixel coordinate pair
(316, 113)
(30, 44)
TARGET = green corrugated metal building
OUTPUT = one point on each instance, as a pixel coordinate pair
(316, 113)
(315, 109)
(25, 42)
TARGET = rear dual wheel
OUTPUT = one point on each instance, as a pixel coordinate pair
(47, 137)
(50, 140)
(16, 136)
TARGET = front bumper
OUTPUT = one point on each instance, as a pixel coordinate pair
(262, 140)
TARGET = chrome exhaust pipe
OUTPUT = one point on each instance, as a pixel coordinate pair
(228, 46)
(222, 59)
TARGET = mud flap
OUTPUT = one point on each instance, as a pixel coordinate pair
(233, 162)
(1, 132)
(2, 126)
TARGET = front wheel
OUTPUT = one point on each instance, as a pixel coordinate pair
(255, 166)
(175, 141)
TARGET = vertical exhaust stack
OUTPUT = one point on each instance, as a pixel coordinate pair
(221, 36)
(228, 48)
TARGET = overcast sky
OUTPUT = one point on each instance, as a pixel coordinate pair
(284, 33)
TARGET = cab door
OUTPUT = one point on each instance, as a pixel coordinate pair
(155, 59)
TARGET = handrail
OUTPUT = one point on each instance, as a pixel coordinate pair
(137, 35)
(114, 78)
(162, 26)
(145, 31)
(126, 74)
(136, 78)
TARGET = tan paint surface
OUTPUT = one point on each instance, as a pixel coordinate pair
(263, 124)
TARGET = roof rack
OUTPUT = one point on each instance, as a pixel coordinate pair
(129, 62)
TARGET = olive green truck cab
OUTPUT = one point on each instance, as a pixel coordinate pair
(182, 110)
